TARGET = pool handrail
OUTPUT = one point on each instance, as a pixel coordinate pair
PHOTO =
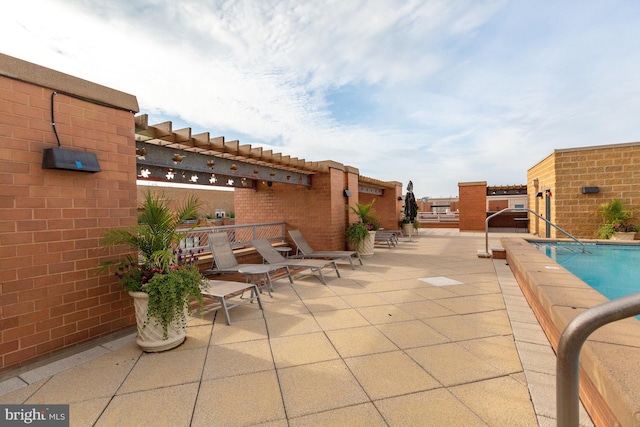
(568, 356)
(486, 227)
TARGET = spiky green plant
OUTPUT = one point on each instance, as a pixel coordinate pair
(365, 215)
(156, 234)
(616, 217)
(170, 277)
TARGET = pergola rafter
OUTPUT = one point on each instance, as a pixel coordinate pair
(168, 155)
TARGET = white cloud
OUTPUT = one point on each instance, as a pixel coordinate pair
(429, 90)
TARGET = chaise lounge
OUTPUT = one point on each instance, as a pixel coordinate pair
(224, 261)
(271, 256)
(304, 250)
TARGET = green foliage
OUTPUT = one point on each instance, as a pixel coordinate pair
(356, 234)
(366, 215)
(157, 231)
(170, 293)
(614, 212)
(616, 219)
(169, 276)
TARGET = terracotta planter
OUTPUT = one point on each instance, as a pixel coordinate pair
(150, 336)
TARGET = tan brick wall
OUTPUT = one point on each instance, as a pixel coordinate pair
(615, 169)
(51, 222)
(472, 205)
(545, 174)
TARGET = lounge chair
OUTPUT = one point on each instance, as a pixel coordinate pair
(273, 257)
(384, 237)
(224, 261)
(223, 291)
(304, 250)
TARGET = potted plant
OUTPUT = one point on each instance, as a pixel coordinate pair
(162, 278)
(361, 234)
(616, 221)
(406, 226)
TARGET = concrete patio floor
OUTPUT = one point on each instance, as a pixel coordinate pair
(423, 334)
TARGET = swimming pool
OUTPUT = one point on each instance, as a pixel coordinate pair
(612, 270)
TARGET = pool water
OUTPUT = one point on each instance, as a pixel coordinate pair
(613, 270)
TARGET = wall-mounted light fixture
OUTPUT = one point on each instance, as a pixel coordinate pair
(590, 190)
(539, 194)
(346, 193)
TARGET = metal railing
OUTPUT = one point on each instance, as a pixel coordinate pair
(438, 217)
(486, 227)
(571, 340)
(239, 235)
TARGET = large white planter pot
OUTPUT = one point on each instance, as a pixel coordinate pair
(623, 235)
(407, 229)
(366, 248)
(150, 335)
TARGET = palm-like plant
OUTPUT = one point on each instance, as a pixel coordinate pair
(358, 232)
(366, 215)
(616, 218)
(169, 277)
(156, 234)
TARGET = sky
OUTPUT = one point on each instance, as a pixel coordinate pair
(434, 91)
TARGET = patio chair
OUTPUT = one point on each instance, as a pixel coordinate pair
(388, 238)
(223, 291)
(224, 261)
(304, 250)
(273, 257)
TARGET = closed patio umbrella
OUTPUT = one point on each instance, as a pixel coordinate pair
(410, 204)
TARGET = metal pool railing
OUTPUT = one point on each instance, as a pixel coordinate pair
(239, 235)
(487, 254)
(571, 340)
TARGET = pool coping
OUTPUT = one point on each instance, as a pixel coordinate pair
(609, 389)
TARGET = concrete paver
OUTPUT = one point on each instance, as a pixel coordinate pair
(379, 346)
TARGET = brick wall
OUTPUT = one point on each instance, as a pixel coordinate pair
(472, 205)
(387, 208)
(541, 177)
(51, 220)
(613, 168)
(318, 211)
(210, 200)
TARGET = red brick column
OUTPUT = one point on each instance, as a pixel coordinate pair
(472, 205)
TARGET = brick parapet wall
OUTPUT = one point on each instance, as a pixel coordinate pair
(51, 221)
(318, 211)
(210, 200)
